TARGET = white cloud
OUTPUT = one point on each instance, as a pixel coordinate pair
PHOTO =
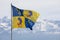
(52, 32)
(4, 24)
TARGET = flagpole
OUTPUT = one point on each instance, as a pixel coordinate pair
(11, 21)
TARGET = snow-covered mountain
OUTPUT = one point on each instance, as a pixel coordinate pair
(44, 25)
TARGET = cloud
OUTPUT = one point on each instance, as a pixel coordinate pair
(52, 32)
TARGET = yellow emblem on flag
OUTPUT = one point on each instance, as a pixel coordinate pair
(32, 15)
(18, 22)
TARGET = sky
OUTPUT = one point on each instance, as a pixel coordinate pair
(48, 9)
(5, 8)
